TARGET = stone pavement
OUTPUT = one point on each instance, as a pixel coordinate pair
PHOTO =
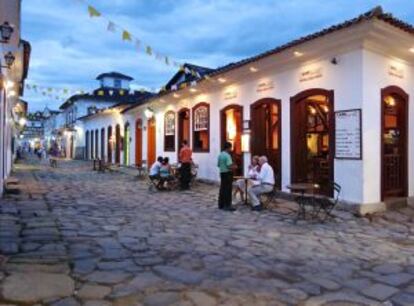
(78, 237)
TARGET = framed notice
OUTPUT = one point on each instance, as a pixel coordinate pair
(348, 134)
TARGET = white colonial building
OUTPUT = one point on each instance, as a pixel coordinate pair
(334, 106)
(14, 59)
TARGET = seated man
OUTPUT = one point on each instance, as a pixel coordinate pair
(154, 173)
(266, 178)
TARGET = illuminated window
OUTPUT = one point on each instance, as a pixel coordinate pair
(169, 131)
(201, 127)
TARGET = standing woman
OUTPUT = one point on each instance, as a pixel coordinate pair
(225, 165)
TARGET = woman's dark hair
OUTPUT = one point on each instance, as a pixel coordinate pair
(227, 145)
(166, 160)
(160, 159)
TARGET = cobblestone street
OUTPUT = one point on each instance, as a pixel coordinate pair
(77, 237)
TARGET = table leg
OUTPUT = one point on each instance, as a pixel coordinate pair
(245, 192)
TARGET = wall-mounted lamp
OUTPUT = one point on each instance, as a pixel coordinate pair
(334, 61)
(6, 31)
(149, 113)
(22, 121)
(9, 60)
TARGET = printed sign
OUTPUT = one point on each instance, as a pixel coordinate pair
(264, 86)
(310, 74)
(396, 71)
(348, 134)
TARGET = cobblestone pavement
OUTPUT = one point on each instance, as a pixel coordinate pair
(77, 237)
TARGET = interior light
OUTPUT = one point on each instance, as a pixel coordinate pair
(253, 69)
(222, 80)
(297, 53)
(193, 90)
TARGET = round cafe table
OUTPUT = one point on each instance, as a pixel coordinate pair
(246, 180)
(302, 200)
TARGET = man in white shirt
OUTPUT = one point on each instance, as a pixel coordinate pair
(154, 172)
(266, 178)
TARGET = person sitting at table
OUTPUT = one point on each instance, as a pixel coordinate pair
(154, 173)
(240, 184)
(266, 180)
(165, 172)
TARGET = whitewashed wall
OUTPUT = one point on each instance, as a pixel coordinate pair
(375, 77)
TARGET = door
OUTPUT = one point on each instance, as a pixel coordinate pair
(183, 127)
(103, 144)
(265, 118)
(117, 144)
(92, 155)
(127, 135)
(138, 143)
(87, 145)
(394, 174)
(96, 144)
(312, 138)
(231, 126)
(110, 144)
(151, 145)
(72, 149)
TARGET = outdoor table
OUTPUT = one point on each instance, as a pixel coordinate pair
(246, 180)
(302, 188)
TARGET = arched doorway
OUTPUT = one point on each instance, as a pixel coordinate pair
(87, 145)
(266, 127)
(96, 144)
(231, 127)
(151, 143)
(183, 127)
(92, 145)
(110, 144)
(72, 146)
(127, 135)
(312, 138)
(117, 144)
(394, 139)
(138, 143)
(103, 143)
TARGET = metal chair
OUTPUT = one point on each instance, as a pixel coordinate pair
(325, 205)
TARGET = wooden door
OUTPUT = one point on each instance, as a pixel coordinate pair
(92, 155)
(231, 126)
(151, 143)
(313, 138)
(103, 144)
(87, 145)
(126, 144)
(96, 144)
(110, 142)
(394, 150)
(265, 118)
(183, 127)
(117, 144)
(138, 143)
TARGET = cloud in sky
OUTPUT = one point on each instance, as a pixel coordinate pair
(69, 49)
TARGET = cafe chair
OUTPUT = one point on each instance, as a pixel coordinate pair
(324, 205)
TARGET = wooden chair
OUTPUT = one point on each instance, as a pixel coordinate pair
(270, 197)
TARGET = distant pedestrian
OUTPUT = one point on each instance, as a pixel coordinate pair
(225, 165)
(185, 158)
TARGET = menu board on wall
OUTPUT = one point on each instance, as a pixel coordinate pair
(348, 134)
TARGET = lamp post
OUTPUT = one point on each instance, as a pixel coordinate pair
(6, 31)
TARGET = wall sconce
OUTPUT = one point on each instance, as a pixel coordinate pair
(22, 121)
(6, 32)
(245, 142)
(149, 113)
(9, 59)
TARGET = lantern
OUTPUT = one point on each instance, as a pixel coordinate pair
(6, 31)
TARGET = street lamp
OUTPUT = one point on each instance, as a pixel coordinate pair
(9, 59)
(6, 32)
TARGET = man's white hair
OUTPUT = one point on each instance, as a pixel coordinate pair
(263, 158)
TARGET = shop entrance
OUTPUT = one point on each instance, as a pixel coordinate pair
(231, 124)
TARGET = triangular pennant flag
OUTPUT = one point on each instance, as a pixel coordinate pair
(111, 92)
(126, 35)
(65, 91)
(148, 50)
(111, 26)
(121, 92)
(93, 12)
(101, 93)
(174, 87)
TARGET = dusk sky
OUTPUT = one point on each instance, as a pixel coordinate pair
(69, 49)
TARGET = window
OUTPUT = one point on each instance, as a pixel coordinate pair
(169, 131)
(201, 127)
(117, 83)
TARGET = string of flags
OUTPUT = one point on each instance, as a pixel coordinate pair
(62, 94)
(127, 36)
